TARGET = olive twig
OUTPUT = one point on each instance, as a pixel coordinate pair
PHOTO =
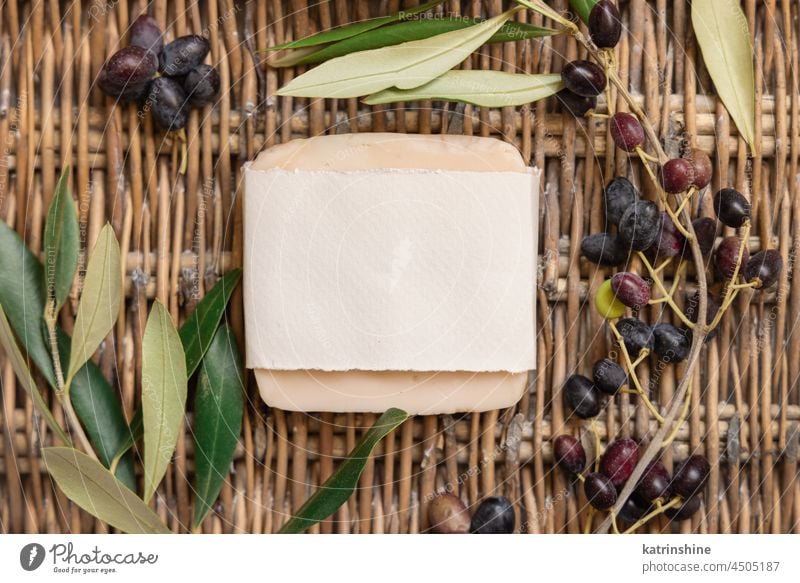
(667, 296)
(660, 509)
(680, 421)
(632, 371)
(733, 289)
(662, 195)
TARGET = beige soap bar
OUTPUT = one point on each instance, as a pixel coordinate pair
(416, 391)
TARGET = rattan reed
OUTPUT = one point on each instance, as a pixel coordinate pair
(179, 233)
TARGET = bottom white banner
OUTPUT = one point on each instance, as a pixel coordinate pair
(349, 558)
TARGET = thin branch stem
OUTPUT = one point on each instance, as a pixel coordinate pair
(660, 509)
(632, 373)
(667, 294)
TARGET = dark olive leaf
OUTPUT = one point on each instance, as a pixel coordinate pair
(338, 488)
(22, 296)
(20, 367)
(92, 487)
(218, 409)
(98, 407)
(401, 32)
(583, 8)
(61, 244)
(135, 434)
(199, 328)
(351, 30)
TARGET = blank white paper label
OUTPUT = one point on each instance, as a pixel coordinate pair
(390, 270)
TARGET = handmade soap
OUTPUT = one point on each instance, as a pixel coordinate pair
(390, 270)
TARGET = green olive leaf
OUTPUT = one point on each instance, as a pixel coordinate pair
(351, 30)
(404, 66)
(721, 30)
(98, 407)
(92, 487)
(20, 367)
(22, 295)
(134, 434)
(61, 244)
(401, 32)
(583, 8)
(218, 409)
(483, 88)
(199, 328)
(338, 488)
(100, 300)
(163, 394)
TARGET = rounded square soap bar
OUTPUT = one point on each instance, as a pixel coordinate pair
(341, 307)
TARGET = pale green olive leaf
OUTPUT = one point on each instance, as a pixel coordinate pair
(164, 383)
(484, 88)
(100, 300)
(404, 66)
(721, 30)
(92, 487)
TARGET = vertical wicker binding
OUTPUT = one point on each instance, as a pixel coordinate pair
(179, 233)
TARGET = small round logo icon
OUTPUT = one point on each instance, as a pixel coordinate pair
(31, 556)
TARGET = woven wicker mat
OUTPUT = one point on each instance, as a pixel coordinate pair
(179, 233)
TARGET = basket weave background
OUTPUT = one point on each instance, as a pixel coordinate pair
(179, 233)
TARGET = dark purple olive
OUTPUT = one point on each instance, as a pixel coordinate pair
(600, 491)
(608, 376)
(495, 515)
(630, 289)
(201, 85)
(146, 33)
(183, 54)
(569, 454)
(685, 511)
(582, 397)
(703, 169)
(637, 335)
(640, 225)
(626, 131)
(727, 255)
(671, 344)
(764, 268)
(690, 476)
(603, 249)
(127, 72)
(447, 514)
(619, 460)
(670, 241)
(632, 510)
(605, 24)
(168, 104)
(676, 175)
(705, 229)
(619, 195)
(577, 105)
(732, 207)
(584, 78)
(654, 483)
